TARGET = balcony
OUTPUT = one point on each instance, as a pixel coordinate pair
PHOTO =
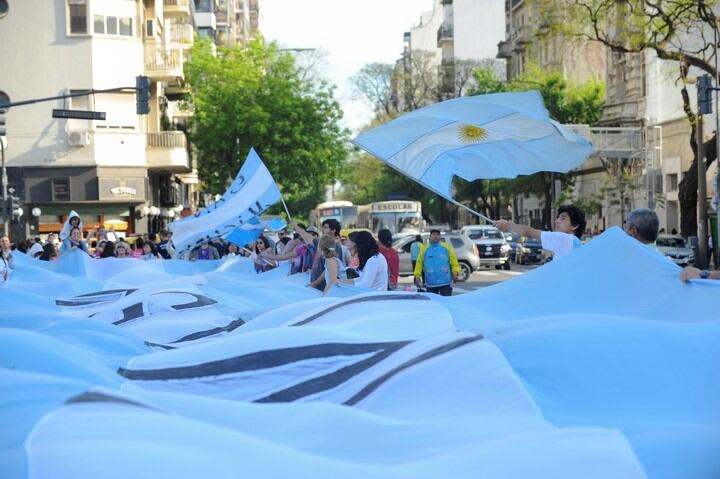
(444, 34)
(176, 8)
(167, 151)
(504, 49)
(163, 62)
(183, 35)
(612, 142)
(523, 34)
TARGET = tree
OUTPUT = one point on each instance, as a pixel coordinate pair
(683, 31)
(255, 96)
(373, 83)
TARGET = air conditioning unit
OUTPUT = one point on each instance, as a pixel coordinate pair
(78, 138)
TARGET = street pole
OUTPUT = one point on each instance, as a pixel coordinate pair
(6, 231)
(701, 260)
(716, 243)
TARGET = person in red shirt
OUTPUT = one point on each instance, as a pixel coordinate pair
(391, 256)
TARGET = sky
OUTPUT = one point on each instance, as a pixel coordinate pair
(351, 32)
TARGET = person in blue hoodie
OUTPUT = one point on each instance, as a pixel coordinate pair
(74, 241)
(437, 266)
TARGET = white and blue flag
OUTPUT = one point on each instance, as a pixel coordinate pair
(252, 192)
(500, 135)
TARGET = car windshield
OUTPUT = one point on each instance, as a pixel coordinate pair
(532, 242)
(485, 234)
(671, 242)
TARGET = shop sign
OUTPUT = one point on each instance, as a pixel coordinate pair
(114, 189)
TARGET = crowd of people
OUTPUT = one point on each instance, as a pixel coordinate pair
(328, 258)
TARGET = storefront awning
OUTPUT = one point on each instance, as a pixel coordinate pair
(86, 210)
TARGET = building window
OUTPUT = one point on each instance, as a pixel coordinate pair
(99, 24)
(125, 26)
(204, 5)
(112, 25)
(672, 182)
(78, 15)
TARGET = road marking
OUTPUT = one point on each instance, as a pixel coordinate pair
(514, 273)
(459, 290)
(487, 273)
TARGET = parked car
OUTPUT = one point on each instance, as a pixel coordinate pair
(529, 250)
(675, 248)
(512, 240)
(492, 246)
(465, 251)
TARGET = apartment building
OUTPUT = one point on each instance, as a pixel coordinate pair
(131, 172)
(453, 30)
(228, 22)
(524, 44)
(643, 91)
(642, 140)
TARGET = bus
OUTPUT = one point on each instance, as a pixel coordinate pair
(343, 211)
(399, 216)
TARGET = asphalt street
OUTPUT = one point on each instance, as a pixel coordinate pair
(482, 278)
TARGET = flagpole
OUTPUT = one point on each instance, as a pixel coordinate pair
(492, 222)
(286, 208)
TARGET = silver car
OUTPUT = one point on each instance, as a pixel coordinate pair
(492, 247)
(465, 250)
(675, 248)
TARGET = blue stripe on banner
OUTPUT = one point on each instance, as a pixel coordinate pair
(252, 231)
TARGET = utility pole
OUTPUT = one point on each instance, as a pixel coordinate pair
(3, 138)
(6, 230)
(716, 242)
(701, 259)
(705, 106)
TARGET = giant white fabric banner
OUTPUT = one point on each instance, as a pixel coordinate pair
(600, 364)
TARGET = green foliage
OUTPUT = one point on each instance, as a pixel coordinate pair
(367, 179)
(256, 96)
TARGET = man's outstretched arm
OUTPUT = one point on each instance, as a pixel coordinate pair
(522, 230)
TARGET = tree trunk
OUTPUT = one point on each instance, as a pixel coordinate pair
(688, 187)
(547, 220)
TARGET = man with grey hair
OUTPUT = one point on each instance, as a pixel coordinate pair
(643, 225)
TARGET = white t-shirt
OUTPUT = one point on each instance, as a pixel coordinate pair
(375, 274)
(561, 244)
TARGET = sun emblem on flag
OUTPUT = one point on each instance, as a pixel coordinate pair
(472, 134)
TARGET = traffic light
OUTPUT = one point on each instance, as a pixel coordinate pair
(3, 112)
(15, 208)
(705, 89)
(142, 94)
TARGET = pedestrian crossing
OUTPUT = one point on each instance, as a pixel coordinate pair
(499, 273)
